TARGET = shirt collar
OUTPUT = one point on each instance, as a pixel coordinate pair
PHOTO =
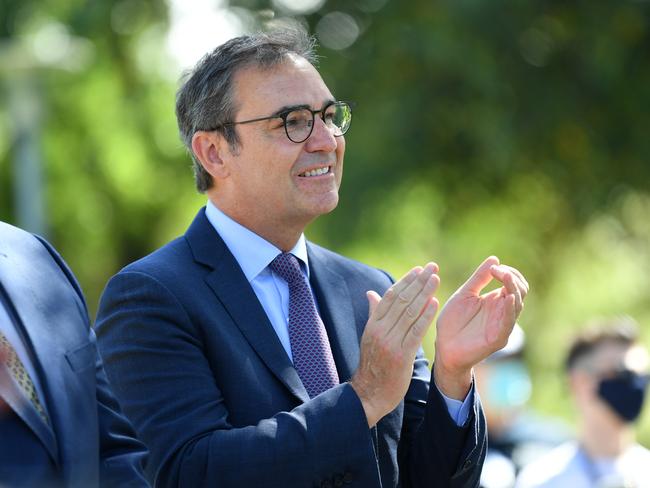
(252, 252)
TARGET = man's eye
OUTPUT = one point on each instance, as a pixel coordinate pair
(294, 122)
(300, 119)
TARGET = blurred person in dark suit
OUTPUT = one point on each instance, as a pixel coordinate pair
(516, 434)
(245, 355)
(60, 426)
(607, 370)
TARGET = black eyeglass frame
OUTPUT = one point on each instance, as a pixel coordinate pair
(285, 113)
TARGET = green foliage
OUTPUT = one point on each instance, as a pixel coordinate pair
(510, 128)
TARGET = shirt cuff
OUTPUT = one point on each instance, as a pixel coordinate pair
(459, 411)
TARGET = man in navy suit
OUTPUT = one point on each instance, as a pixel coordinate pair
(207, 340)
(69, 431)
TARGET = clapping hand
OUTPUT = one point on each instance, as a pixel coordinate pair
(472, 326)
(397, 324)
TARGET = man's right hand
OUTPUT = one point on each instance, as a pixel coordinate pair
(397, 325)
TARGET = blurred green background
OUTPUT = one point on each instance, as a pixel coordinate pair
(515, 128)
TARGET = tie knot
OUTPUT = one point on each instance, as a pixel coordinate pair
(287, 266)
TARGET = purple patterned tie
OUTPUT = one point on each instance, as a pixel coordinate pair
(310, 347)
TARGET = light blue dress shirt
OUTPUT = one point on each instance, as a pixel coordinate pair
(254, 254)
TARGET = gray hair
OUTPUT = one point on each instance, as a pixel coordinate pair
(205, 99)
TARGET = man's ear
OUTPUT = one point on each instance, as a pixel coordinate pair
(581, 383)
(210, 148)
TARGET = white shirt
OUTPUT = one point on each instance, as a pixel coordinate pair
(568, 466)
(254, 254)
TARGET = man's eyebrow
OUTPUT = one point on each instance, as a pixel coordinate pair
(289, 108)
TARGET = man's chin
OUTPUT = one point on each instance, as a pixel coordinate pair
(322, 208)
(329, 206)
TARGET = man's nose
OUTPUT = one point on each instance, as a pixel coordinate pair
(322, 138)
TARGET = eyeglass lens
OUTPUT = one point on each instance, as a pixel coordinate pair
(300, 123)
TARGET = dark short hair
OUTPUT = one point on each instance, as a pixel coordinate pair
(617, 330)
(205, 99)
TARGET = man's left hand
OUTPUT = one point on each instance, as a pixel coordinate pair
(472, 326)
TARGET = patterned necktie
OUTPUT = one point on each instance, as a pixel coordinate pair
(310, 347)
(18, 372)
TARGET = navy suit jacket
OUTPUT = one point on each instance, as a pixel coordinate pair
(200, 372)
(88, 442)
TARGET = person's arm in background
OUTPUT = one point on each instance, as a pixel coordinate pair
(121, 455)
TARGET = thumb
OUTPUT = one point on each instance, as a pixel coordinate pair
(373, 300)
(481, 277)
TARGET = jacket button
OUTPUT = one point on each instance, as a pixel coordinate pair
(338, 480)
(467, 464)
(347, 477)
(326, 484)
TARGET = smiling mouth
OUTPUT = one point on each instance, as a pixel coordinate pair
(316, 172)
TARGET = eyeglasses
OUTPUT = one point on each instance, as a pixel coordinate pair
(299, 122)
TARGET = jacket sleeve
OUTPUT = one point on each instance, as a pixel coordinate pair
(434, 450)
(121, 454)
(155, 357)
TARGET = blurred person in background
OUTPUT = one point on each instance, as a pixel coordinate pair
(607, 371)
(516, 435)
(60, 425)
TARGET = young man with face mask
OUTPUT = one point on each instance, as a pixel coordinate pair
(607, 372)
(517, 435)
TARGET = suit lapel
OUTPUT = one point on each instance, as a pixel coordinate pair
(337, 312)
(24, 307)
(233, 290)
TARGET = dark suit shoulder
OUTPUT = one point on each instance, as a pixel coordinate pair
(8, 230)
(170, 271)
(158, 264)
(348, 267)
(37, 251)
(200, 244)
(13, 238)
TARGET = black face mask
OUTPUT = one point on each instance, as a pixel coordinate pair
(624, 393)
